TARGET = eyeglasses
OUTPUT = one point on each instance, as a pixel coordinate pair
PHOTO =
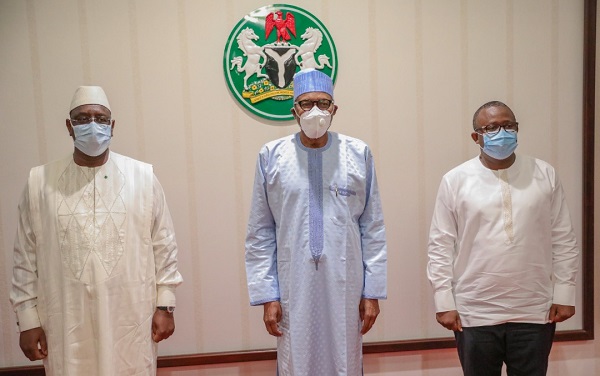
(79, 120)
(307, 105)
(493, 129)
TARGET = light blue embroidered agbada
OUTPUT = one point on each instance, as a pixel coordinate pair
(316, 242)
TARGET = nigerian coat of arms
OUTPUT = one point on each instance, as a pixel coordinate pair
(264, 51)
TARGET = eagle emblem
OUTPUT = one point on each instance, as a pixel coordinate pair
(281, 25)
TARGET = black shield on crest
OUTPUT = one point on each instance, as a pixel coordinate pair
(281, 64)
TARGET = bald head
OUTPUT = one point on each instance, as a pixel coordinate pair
(489, 105)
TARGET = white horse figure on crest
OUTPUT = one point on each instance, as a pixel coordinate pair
(313, 38)
(253, 52)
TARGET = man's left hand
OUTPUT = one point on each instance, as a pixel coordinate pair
(163, 325)
(369, 310)
(559, 313)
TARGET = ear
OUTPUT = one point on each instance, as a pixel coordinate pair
(112, 128)
(335, 107)
(475, 137)
(70, 128)
(296, 117)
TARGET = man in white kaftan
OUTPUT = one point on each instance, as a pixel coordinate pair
(503, 257)
(316, 249)
(95, 256)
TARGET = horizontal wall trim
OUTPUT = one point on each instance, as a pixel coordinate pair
(271, 354)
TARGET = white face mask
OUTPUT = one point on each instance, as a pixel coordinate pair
(92, 139)
(314, 123)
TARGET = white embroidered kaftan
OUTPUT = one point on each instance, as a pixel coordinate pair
(95, 252)
(316, 242)
(501, 245)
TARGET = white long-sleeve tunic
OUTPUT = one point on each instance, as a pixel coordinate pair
(316, 242)
(501, 244)
(95, 253)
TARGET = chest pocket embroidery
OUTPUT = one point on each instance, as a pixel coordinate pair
(341, 191)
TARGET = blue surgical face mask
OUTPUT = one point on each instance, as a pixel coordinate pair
(92, 139)
(501, 145)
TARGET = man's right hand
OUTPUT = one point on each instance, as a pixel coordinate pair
(271, 317)
(29, 340)
(449, 320)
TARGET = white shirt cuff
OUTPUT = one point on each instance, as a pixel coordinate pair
(564, 295)
(444, 301)
(28, 319)
(165, 296)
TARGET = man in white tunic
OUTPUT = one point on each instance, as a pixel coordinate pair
(503, 257)
(95, 259)
(316, 249)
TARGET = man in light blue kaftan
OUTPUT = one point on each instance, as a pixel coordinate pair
(316, 249)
